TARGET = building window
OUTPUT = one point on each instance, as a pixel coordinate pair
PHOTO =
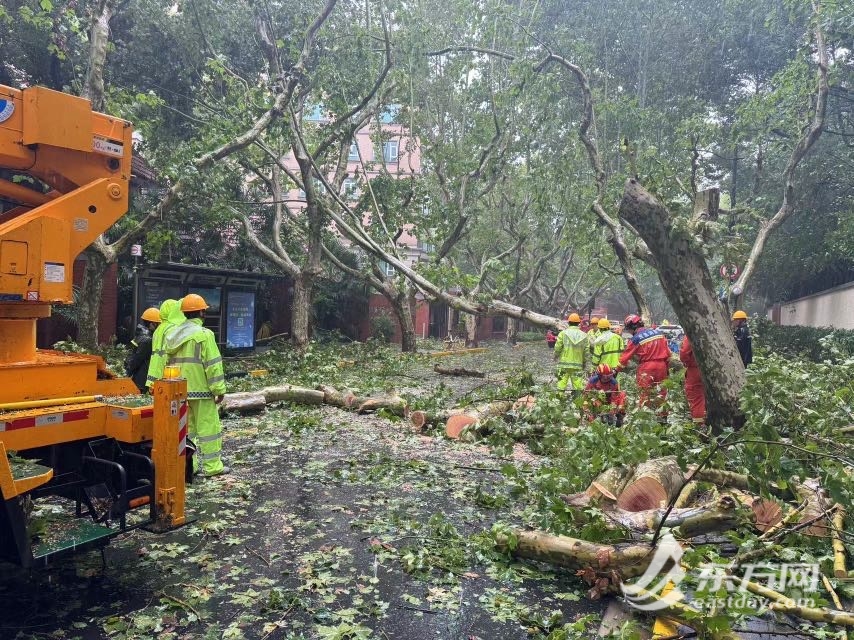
(349, 188)
(301, 195)
(390, 149)
(499, 324)
(353, 156)
(387, 269)
(426, 247)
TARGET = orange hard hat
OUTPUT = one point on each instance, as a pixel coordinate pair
(594, 319)
(604, 370)
(152, 314)
(739, 315)
(573, 317)
(193, 302)
(603, 324)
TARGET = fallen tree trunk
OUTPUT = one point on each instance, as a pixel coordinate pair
(689, 522)
(458, 371)
(290, 393)
(766, 512)
(350, 401)
(251, 402)
(654, 484)
(625, 560)
(456, 423)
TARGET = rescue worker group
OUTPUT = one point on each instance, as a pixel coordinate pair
(606, 351)
(175, 336)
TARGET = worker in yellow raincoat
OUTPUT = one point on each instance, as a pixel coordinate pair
(171, 316)
(193, 349)
(572, 352)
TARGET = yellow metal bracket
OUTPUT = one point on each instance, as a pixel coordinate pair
(169, 451)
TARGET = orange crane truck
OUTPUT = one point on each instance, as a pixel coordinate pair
(96, 467)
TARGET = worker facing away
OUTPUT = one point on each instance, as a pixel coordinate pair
(650, 348)
(192, 348)
(572, 353)
(136, 365)
(743, 341)
(171, 316)
(694, 391)
(603, 397)
(608, 346)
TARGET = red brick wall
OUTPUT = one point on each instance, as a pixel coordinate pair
(378, 304)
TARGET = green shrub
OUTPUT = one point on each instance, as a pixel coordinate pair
(814, 343)
(531, 336)
(382, 327)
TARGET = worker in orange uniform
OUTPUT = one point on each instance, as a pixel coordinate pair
(193, 348)
(136, 365)
(603, 389)
(694, 391)
(649, 346)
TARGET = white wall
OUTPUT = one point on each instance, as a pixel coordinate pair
(831, 308)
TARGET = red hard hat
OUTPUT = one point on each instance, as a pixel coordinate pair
(633, 321)
(604, 370)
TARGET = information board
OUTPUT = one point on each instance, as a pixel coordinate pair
(152, 293)
(240, 320)
(211, 296)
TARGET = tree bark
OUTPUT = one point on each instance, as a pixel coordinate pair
(688, 285)
(301, 309)
(403, 306)
(471, 323)
(456, 423)
(512, 330)
(99, 39)
(89, 300)
(629, 560)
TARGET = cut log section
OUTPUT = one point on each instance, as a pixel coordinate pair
(242, 403)
(606, 487)
(653, 485)
(456, 423)
(458, 371)
(767, 513)
(817, 503)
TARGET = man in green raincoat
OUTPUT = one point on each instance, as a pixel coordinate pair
(193, 348)
(572, 352)
(171, 316)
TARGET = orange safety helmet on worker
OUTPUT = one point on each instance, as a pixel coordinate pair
(572, 353)
(694, 391)
(605, 390)
(650, 347)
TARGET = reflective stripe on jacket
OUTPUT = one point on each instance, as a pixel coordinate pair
(607, 349)
(648, 345)
(193, 348)
(571, 349)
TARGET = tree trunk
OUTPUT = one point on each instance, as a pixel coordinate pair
(301, 309)
(403, 307)
(688, 285)
(99, 40)
(89, 300)
(456, 423)
(512, 330)
(471, 329)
